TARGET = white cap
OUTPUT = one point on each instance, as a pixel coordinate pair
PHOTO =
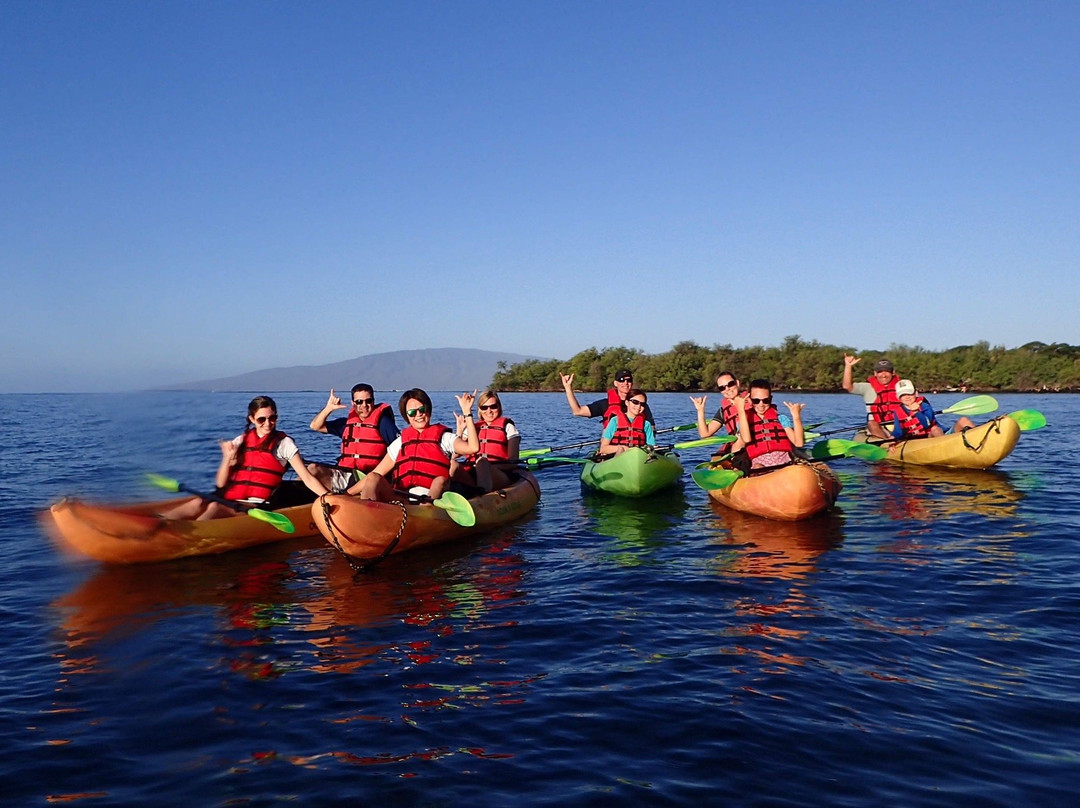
(905, 387)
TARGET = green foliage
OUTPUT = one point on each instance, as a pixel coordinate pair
(796, 364)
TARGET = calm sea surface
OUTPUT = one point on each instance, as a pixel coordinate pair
(918, 647)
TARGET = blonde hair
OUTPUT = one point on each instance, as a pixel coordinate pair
(489, 393)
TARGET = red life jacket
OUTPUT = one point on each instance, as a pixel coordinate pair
(494, 445)
(730, 415)
(910, 425)
(421, 459)
(882, 408)
(258, 471)
(362, 447)
(627, 432)
(614, 406)
(767, 434)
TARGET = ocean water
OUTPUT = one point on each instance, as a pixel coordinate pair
(918, 646)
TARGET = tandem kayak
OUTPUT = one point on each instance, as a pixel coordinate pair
(789, 494)
(976, 448)
(636, 472)
(368, 531)
(135, 533)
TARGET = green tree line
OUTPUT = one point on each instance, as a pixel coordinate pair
(810, 366)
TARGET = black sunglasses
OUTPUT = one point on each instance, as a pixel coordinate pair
(636, 401)
(761, 400)
(262, 419)
(361, 401)
(732, 383)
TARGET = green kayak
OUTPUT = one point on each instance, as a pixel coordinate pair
(634, 473)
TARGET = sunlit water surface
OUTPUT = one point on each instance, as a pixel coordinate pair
(918, 646)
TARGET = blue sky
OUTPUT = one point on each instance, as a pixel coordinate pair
(197, 189)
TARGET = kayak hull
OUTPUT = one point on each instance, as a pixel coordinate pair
(368, 531)
(135, 534)
(977, 448)
(788, 494)
(633, 473)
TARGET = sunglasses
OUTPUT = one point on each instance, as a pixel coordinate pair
(360, 402)
(627, 380)
(732, 383)
(639, 402)
(761, 400)
(421, 410)
(262, 419)
(488, 407)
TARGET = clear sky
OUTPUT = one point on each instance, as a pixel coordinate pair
(198, 189)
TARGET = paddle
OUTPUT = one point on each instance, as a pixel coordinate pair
(975, 405)
(834, 448)
(539, 462)
(535, 452)
(456, 506)
(689, 444)
(715, 439)
(278, 520)
(714, 479)
(1028, 419)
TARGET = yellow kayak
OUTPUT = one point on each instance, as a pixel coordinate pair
(977, 448)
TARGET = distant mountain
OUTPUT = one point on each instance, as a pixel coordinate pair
(454, 369)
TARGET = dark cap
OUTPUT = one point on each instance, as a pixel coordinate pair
(883, 364)
(624, 376)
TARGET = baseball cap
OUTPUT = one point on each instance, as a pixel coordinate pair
(883, 364)
(905, 387)
(624, 375)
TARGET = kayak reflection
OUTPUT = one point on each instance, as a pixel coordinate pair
(930, 493)
(637, 526)
(770, 548)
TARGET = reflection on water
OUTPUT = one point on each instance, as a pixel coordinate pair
(771, 551)
(926, 493)
(771, 548)
(636, 526)
(254, 597)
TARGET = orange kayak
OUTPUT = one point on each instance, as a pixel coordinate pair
(791, 493)
(135, 533)
(368, 531)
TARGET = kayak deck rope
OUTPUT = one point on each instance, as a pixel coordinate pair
(369, 564)
(986, 435)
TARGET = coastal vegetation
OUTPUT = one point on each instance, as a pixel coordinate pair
(810, 366)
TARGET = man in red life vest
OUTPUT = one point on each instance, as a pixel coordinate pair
(878, 393)
(607, 407)
(365, 434)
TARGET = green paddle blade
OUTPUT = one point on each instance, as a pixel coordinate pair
(457, 508)
(1028, 419)
(713, 441)
(539, 462)
(715, 479)
(162, 481)
(828, 449)
(278, 520)
(535, 453)
(679, 428)
(976, 405)
(866, 451)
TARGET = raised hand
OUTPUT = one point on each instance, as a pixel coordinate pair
(334, 403)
